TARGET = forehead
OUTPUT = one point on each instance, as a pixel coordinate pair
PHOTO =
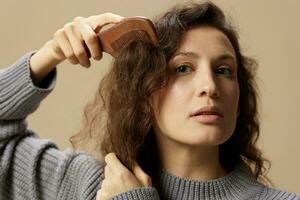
(206, 41)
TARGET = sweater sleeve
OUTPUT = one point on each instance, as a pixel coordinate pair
(34, 168)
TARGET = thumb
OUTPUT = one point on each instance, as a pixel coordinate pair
(144, 178)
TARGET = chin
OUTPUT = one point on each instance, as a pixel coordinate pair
(211, 138)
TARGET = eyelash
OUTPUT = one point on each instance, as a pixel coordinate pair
(190, 67)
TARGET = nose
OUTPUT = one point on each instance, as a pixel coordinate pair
(206, 84)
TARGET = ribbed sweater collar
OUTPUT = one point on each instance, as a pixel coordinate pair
(237, 184)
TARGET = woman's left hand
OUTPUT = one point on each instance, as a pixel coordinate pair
(119, 179)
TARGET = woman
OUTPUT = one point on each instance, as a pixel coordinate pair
(181, 118)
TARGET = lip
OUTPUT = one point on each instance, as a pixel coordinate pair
(207, 110)
(207, 118)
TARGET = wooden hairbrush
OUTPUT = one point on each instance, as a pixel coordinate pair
(132, 28)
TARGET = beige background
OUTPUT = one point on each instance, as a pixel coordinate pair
(269, 31)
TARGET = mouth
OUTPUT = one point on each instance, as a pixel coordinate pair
(207, 114)
(207, 110)
(207, 118)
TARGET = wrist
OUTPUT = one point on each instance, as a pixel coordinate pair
(42, 63)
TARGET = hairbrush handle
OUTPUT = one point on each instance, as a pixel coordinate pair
(115, 37)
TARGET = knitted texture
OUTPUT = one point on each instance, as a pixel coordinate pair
(35, 169)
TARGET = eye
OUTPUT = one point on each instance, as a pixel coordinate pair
(224, 70)
(182, 68)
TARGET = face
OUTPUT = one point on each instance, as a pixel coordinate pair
(203, 72)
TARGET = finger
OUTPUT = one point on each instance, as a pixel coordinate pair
(115, 164)
(77, 45)
(141, 175)
(101, 195)
(98, 197)
(90, 39)
(98, 21)
(104, 185)
(104, 192)
(107, 172)
(66, 47)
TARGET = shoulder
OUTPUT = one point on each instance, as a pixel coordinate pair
(82, 177)
(277, 194)
(85, 165)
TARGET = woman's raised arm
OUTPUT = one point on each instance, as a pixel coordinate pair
(34, 168)
(76, 41)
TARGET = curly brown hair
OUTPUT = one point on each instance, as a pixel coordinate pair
(119, 118)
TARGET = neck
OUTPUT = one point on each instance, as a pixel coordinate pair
(192, 162)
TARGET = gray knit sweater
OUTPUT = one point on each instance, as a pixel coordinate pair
(34, 168)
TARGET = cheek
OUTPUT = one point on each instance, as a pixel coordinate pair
(170, 104)
(231, 99)
(171, 97)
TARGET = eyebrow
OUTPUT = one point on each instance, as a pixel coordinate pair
(196, 56)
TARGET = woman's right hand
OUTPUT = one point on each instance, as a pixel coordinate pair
(76, 41)
(70, 41)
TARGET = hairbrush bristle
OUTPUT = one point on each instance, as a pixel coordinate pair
(130, 36)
